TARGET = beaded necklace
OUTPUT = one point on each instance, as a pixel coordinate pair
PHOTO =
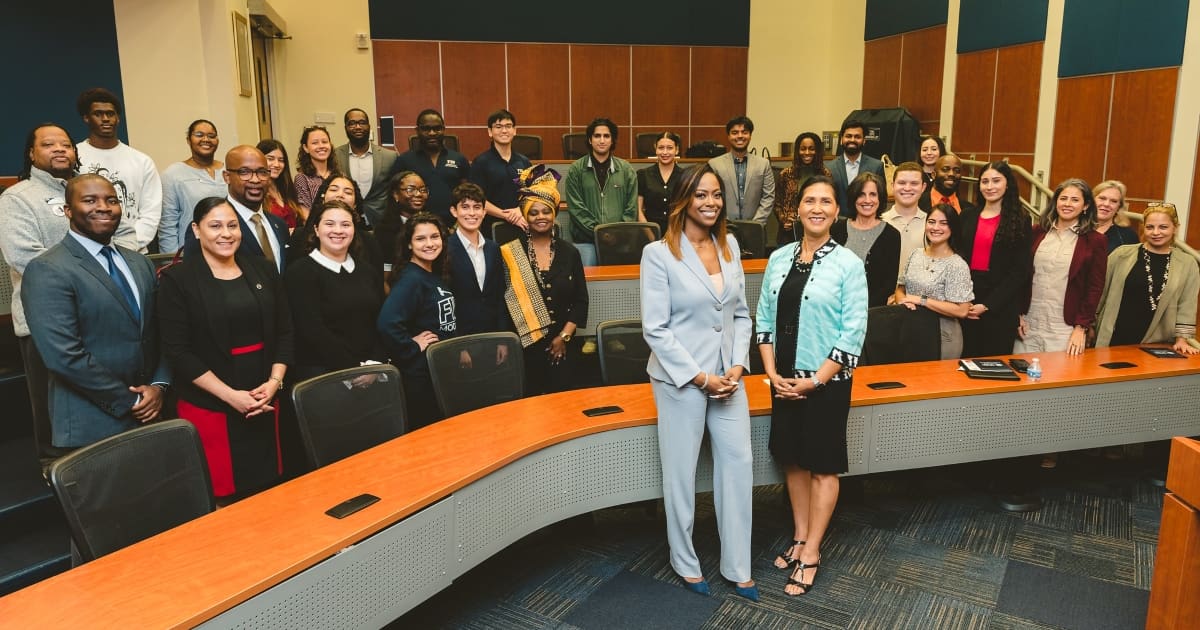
(540, 275)
(1154, 297)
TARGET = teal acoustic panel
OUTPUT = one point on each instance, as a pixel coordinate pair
(889, 17)
(984, 24)
(1116, 35)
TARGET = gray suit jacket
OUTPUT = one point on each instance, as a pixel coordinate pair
(760, 187)
(837, 168)
(689, 326)
(92, 344)
(383, 158)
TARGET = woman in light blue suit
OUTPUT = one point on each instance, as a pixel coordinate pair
(812, 318)
(697, 323)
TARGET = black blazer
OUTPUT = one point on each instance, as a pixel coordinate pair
(477, 311)
(191, 247)
(195, 327)
(1009, 268)
(882, 263)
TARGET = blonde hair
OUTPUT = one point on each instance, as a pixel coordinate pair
(1161, 208)
(1118, 218)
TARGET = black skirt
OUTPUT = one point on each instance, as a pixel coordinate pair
(811, 432)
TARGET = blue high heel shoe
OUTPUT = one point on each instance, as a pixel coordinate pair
(749, 592)
(699, 588)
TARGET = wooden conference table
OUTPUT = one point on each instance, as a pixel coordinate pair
(459, 491)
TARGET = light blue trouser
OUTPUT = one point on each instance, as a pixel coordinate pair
(683, 415)
(587, 253)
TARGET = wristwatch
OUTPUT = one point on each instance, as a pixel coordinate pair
(924, 299)
(565, 336)
(817, 384)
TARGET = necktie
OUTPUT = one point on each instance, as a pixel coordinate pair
(121, 282)
(263, 239)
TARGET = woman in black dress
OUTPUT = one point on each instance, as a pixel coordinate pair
(874, 241)
(995, 242)
(808, 160)
(658, 181)
(546, 293)
(408, 197)
(335, 296)
(227, 334)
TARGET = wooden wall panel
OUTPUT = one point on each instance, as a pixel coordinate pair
(471, 140)
(718, 66)
(599, 83)
(1193, 222)
(472, 81)
(697, 135)
(1014, 122)
(661, 85)
(921, 72)
(973, 98)
(539, 79)
(551, 139)
(403, 89)
(881, 72)
(1138, 142)
(1081, 116)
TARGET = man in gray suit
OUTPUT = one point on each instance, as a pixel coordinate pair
(93, 320)
(749, 181)
(850, 162)
(367, 163)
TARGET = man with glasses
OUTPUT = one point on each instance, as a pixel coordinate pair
(131, 172)
(367, 163)
(441, 168)
(263, 233)
(495, 171)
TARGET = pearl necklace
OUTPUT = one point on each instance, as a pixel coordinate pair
(1150, 278)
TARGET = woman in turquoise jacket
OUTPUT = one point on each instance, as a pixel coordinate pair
(812, 318)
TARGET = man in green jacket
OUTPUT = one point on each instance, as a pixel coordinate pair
(601, 188)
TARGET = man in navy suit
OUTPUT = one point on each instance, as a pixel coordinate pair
(93, 320)
(849, 163)
(263, 234)
(476, 274)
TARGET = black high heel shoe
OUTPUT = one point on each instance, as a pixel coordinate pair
(805, 587)
(785, 560)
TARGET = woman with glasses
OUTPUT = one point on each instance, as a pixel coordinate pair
(407, 198)
(1150, 289)
(281, 194)
(808, 160)
(657, 182)
(316, 164)
(186, 183)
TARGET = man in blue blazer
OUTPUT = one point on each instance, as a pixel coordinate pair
(247, 178)
(477, 272)
(93, 320)
(852, 161)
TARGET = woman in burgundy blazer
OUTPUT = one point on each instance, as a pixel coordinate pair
(1069, 262)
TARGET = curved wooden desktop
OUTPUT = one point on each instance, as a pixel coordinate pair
(456, 492)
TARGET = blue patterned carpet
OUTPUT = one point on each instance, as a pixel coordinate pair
(919, 549)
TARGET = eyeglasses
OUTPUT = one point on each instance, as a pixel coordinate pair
(200, 135)
(431, 128)
(248, 174)
(413, 190)
(504, 126)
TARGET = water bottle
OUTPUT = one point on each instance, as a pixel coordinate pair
(1035, 370)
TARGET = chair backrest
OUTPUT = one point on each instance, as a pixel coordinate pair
(623, 352)
(622, 243)
(133, 485)
(342, 413)
(562, 221)
(461, 385)
(645, 144)
(574, 145)
(751, 236)
(896, 334)
(449, 140)
(503, 232)
(528, 145)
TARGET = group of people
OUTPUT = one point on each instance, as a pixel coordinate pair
(252, 298)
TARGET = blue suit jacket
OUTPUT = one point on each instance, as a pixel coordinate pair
(250, 244)
(476, 310)
(837, 169)
(90, 340)
(689, 326)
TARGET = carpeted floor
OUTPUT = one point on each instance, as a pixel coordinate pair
(919, 549)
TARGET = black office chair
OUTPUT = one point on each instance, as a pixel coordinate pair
(348, 411)
(622, 243)
(528, 145)
(574, 145)
(896, 334)
(645, 144)
(751, 236)
(503, 232)
(133, 485)
(623, 352)
(461, 388)
(562, 224)
(450, 141)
